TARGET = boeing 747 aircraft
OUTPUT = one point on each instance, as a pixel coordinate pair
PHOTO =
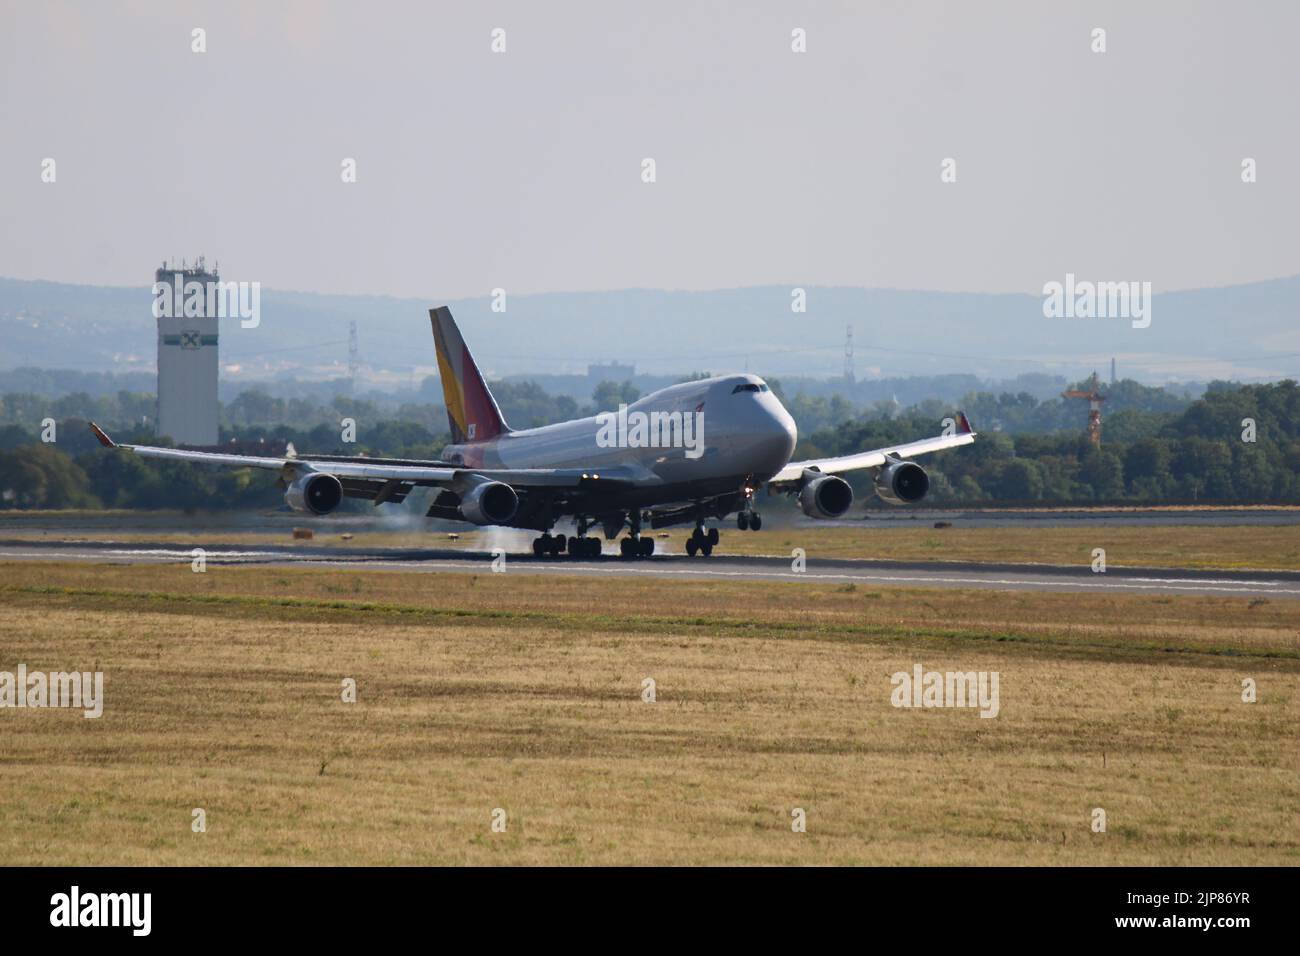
(695, 452)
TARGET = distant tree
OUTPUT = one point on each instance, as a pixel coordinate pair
(11, 436)
(41, 476)
(527, 404)
(1146, 467)
(609, 395)
(1020, 479)
(1203, 467)
(1102, 470)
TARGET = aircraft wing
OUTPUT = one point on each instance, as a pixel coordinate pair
(792, 472)
(388, 480)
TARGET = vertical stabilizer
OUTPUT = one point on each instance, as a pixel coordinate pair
(471, 410)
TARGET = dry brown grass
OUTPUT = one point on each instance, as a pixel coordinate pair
(1270, 547)
(523, 692)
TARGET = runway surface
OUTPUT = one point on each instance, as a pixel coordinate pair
(1282, 585)
(282, 521)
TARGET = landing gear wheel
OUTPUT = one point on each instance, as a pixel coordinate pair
(647, 547)
(692, 545)
(627, 547)
(755, 521)
(560, 545)
(541, 545)
(712, 538)
(583, 547)
(742, 521)
(706, 547)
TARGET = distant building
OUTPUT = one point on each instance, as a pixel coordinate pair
(187, 362)
(610, 372)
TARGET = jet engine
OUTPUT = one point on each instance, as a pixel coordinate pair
(314, 492)
(825, 497)
(489, 502)
(902, 483)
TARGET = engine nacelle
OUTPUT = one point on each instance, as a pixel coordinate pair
(316, 493)
(902, 483)
(489, 502)
(825, 497)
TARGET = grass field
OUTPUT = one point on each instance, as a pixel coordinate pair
(1266, 547)
(524, 693)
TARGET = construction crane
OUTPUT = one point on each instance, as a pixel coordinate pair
(1095, 398)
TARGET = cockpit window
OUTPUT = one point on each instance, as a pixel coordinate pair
(749, 387)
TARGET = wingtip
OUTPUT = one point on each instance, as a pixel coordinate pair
(102, 436)
(963, 424)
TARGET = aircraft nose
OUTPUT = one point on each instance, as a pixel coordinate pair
(789, 432)
(779, 436)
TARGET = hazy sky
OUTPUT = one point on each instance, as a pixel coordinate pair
(523, 170)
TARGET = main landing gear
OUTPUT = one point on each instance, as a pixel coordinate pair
(551, 545)
(638, 547)
(635, 545)
(579, 546)
(702, 541)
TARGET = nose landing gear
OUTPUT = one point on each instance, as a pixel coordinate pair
(748, 519)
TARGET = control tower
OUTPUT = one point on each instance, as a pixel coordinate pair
(187, 355)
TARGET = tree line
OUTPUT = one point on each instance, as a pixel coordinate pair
(1237, 443)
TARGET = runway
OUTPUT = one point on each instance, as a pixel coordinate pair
(1281, 585)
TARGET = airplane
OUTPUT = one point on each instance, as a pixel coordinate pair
(694, 452)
